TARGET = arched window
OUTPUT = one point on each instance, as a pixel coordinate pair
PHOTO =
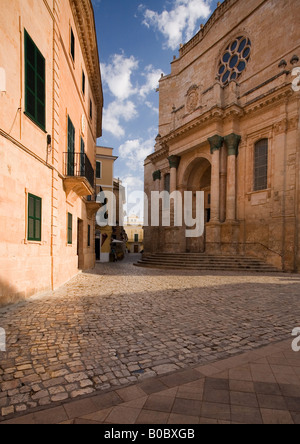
(261, 165)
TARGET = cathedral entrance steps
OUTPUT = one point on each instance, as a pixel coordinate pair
(203, 262)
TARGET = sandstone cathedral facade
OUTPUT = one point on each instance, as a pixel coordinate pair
(229, 126)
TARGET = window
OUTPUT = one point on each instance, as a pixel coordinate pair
(234, 60)
(98, 170)
(136, 238)
(91, 109)
(261, 165)
(34, 218)
(71, 148)
(70, 229)
(89, 235)
(72, 45)
(35, 83)
(82, 157)
(83, 82)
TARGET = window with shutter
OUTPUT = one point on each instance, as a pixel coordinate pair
(35, 83)
(72, 45)
(70, 229)
(261, 165)
(98, 170)
(34, 218)
(82, 157)
(71, 148)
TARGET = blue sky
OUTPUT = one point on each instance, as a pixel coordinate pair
(137, 40)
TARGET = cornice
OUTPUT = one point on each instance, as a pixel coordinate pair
(160, 154)
(83, 13)
(219, 12)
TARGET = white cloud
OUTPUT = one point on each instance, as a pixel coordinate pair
(152, 77)
(178, 24)
(134, 152)
(117, 75)
(114, 113)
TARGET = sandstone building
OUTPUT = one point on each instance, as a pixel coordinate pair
(50, 117)
(135, 234)
(229, 126)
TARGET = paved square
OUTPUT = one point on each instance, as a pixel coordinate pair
(120, 325)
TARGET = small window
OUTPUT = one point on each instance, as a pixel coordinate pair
(71, 148)
(82, 157)
(89, 235)
(34, 218)
(83, 83)
(35, 83)
(72, 45)
(261, 165)
(136, 238)
(98, 170)
(91, 110)
(70, 229)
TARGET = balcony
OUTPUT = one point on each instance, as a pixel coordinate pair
(79, 174)
(92, 205)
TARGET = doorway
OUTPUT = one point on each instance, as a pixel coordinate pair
(199, 179)
(80, 238)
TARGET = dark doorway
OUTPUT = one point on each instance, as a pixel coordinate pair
(97, 246)
(136, 248)
(80, 238)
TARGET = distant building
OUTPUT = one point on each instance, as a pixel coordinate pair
(104, 183)
(229, 126)
(50, 118)
(135, 233)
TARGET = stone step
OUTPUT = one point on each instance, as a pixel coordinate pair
(204, 262)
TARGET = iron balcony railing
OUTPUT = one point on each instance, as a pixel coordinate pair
(79, 165)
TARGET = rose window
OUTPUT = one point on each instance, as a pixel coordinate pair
(234, 60)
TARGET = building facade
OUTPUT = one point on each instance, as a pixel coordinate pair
(229, 126)
(104, 183)
(50, 117)
(135, 233)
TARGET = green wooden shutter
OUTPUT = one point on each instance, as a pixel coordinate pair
(72, 49)
(71, 148)
(98, 170)
(35, 83)
(34, 218)
(82, 157)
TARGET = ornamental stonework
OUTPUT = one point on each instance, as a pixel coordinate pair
(192, 98)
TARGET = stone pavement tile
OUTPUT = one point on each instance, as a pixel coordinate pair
(271, 417)
(243, 399)
(130, 393)
(296, 417)
(183, 419)
(136, 403)
(207, 421)
(51, 416)
(99, 416)
(223, 375)
(277, 359)
(241, 373)
(180, 378)
(77, 409)
(190, 393)
(270, 349)
(215, 395)
(82, 421)
(152, 417)
(106, 400)
(267, 388)
(271, 402)
(282, 378)
(293, 404)
(263, 377)
(282, 369)
(241, 386)
(215, 411)
(122, 415)
(245, 415)
(290, 390)
(159, 403)
(152, 386)
(27, 419)
(190, 407)
(216, 384)
(207, 370)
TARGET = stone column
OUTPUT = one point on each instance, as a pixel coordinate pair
(215, 145)
(174, 162)
(232, 142)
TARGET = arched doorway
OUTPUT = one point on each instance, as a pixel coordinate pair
(199, 179)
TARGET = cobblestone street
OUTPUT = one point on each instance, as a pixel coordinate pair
(119, 324)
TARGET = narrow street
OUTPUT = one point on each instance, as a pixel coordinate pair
(119, 325)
